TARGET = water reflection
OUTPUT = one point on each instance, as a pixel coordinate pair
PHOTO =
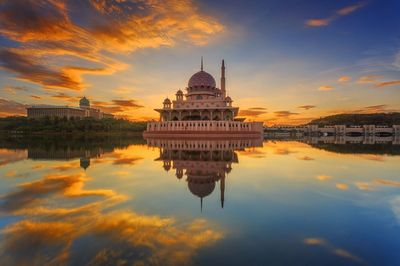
(286, 202)
(202, 162)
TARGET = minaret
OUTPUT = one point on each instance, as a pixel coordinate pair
(222, 188)
(201, 64)
(223, 79)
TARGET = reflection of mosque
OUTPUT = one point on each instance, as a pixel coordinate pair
(203, 162)
(66, 154)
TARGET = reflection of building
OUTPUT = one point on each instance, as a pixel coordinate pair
(84, 110)
(204, 109)
(203, 162)
(65, 154)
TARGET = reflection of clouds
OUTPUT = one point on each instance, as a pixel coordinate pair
(377, 182)
(335, 250)
(283, 151)
(342, 186)
(323, 177)
(35, 192)
(56, 233)
(11, 156)
(306, 158)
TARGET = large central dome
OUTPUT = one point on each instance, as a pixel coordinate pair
(201, 78)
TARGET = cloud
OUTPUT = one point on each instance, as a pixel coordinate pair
(388, 83)
(127, 103)
(253, 111)
(48, 34)
(11, 108)
(368, 79)
(342, 186)
(306, 107)
(284, 113)
(317, 22)
(325, 88)
(15, 89)
(349, 9)
(117, 107)
(320, 22)
(344, 79)
(28, 68)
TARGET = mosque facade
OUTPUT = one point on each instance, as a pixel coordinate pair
(203, 108)
(84, 110)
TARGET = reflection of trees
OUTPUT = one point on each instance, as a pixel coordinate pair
(360, 148)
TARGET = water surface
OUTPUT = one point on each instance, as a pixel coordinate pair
(118, 201)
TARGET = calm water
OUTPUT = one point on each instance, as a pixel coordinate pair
(128, 202)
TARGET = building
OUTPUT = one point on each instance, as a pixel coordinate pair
(204, 109)
(84, 110)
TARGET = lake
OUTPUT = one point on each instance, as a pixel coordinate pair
(130, 201)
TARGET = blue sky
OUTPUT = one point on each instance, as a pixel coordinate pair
(287, 61)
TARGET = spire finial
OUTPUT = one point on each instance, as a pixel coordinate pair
(201, 204)
(201, 63)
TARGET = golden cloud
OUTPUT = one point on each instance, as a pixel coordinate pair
(344, 78)
(337, 14)
(306, 107)
(325, 88)
(388, 83)
(48, 36)
(10, 108)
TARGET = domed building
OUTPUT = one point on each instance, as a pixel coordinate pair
(84, 110)
(203, 107)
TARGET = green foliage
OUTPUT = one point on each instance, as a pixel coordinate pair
(63, 125)
(381, 119)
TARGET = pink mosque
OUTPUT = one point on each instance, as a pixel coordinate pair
(204, 110)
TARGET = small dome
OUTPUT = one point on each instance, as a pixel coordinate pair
(228, 99)
(167, 101)
(179, 92)
(201, 78)
(84, 102)
(201, 190)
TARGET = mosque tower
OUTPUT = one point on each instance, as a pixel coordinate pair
(223, 79)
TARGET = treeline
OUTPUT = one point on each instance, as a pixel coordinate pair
(72, 125)
(381, 119)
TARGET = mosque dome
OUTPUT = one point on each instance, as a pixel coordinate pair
(201, 78)
(201, 190)
(84, 102)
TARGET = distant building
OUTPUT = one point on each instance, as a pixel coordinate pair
(84, 110)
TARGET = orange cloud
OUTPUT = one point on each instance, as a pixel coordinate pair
(337, 14)
(325, 88)
(11, 108)
(306, 107)
(317, 22)
(48, 35)
(388, 83)
(344, 78)
(284, 113)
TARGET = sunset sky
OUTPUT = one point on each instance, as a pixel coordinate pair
(287, 61)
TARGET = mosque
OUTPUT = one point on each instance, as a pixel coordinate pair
(203, 109)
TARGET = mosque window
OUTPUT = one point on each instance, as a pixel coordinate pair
(199, 97)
